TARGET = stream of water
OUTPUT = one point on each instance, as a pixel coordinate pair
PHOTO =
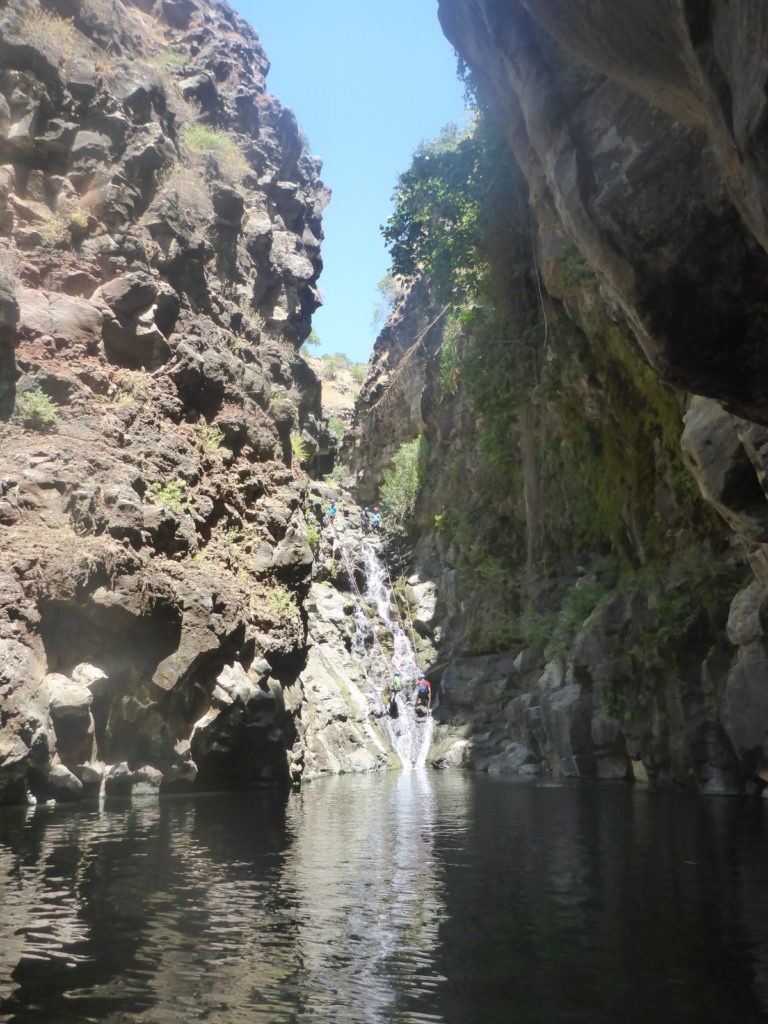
(409, 734)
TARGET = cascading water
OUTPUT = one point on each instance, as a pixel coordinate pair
(410, 736)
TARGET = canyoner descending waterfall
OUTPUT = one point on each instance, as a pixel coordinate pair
(410, 736)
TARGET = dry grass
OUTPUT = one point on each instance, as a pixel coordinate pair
(190, 189)
(55, 36)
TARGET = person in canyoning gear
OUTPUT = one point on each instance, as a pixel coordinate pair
(365, 520)
(376, 520)
(395, 687)
(423, 692)
(333, 508)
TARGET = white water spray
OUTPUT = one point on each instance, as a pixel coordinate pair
(410, 735)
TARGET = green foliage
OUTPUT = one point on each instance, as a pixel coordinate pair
(358, 372)
(313, 534)
(576, 272)
(450, 362)
(202, 140)
(53, 230)
(299, 448)
(390, 288)
(334, 364)
(209, 438)
(402, 483)
(281, 600)
(686, 591)
(35, 410)
(575, 439)
(312, 341)
(445, 204)
(578, 605)
(337, 427)
(173, 494)
(339, 472)
(173, 59)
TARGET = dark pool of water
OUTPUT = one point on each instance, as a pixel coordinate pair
(422, 897)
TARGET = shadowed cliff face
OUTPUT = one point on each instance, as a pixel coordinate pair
(160, 225)
(641, 129)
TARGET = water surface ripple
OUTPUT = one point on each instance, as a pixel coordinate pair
(414, 898)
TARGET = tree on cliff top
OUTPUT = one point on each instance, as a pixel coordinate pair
(445, 204)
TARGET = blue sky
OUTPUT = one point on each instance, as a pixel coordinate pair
(367, 82)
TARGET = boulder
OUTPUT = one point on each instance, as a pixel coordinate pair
(14, 754)
(239, 742)
(118, 781)
(746, 615)
(62, 784)
(90, 146)
(69, 321)
(129, 294)
(147, 782)
(744, 707)
(70, 711)
(95, 679)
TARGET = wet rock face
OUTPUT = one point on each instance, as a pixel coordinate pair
(640, 128)
(160, 228)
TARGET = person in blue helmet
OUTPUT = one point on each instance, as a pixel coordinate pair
(423, 692)
(365, 520)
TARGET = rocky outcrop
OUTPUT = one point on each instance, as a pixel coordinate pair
(637, 129)
(388, 408)
(160, 224)
(640, 128)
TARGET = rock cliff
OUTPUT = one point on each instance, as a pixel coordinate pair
(593, 616)
(160, 228)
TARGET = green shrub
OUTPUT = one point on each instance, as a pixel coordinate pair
(334, 364)
(402, 483)
(209, 438)
(173, 494)
(337, 474)
(172, 59)
(576, 272)
(553, 630)
(201, 139)
(337, 427)
(298, 448)
(281, 600)
(35, 410)
(313, 535)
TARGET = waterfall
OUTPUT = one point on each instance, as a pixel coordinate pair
(409, 734)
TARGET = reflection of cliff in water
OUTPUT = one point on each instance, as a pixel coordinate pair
(400, 897)
(225, 904)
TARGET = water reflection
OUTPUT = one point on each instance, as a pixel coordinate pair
(371, 892)
(397, 898)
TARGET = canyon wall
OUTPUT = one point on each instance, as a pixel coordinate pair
(160, 229)
(593, 502)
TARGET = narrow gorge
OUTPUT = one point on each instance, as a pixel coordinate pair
(564, 419)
